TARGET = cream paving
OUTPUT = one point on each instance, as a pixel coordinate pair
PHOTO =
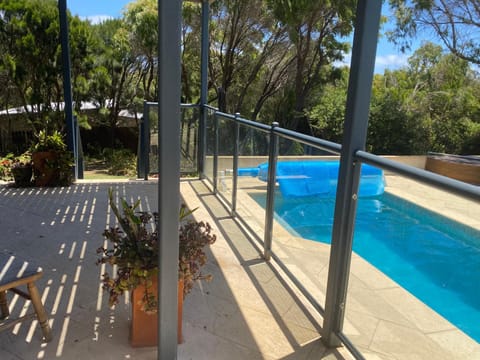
(382, 319)
(452, 206)
(251, 309)
(248, 311)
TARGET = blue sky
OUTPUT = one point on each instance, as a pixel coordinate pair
(95, 10)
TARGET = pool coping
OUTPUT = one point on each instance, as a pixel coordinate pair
(383, 320)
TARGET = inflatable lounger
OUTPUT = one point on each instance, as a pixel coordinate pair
(316, 178)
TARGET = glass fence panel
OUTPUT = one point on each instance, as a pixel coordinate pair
(304, 208)
(226, 140)
(415, 273)
(153, 150)
(210, 144)
(291, 150)
(189, 139)
(252, 176)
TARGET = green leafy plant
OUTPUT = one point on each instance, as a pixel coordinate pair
(121, 162)
(21, 170)
(46, 142)
(17, 168)
(134, 251)
(51, 160)
(6, 167)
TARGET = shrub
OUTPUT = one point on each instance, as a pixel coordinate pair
(120, 162)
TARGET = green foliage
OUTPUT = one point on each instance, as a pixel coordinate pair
(314, 28)
(6, 163)
(58, 166)
(135, 251)
(46, 142)
(328, 115)
(120, 162)
(454, 24)
(273, 60)
(432, 105)
(18, 168)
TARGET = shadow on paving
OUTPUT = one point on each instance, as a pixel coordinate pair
(60, 229)
(298, 323)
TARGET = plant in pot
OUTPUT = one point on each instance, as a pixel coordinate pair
(22, 170)
(52, 162)
(6, 167)
(134, 252)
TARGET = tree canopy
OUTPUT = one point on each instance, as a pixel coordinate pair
(270, 60)
(455, 23)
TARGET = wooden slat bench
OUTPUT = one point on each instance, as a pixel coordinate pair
(16, 272)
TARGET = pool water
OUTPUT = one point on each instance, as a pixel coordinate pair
(434, 258)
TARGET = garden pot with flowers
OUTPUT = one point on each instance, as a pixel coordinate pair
(134, 251)
(22, 170)
(52, 162)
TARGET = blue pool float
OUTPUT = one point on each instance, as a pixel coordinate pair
(316, 178)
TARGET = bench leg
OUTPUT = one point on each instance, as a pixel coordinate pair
(4, 312)
(40, 311)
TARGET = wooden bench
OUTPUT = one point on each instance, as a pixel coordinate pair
(15, 272)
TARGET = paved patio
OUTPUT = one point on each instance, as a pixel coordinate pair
(249, 311)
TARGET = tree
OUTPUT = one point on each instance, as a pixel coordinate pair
(432, 105)
(249, 55)
(82, 63)
(455, 23)
(328, 115)
(31, 59)
(397, 123)
(314, 28)
(141, 18)
(29, 31)
(111, 82)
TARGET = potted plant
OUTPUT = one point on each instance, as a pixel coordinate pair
(22, 170)
(52, 162)
(6, 167)
(135, 254)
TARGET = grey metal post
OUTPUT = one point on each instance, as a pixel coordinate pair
(67, 83)
(215, 153)
(146, 139)
(78, 149)
(235, 163)
(140, 150)
(202, 128)
(269, 207)
(355, 133)
(169, 21)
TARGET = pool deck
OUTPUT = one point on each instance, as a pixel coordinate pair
(251, 310)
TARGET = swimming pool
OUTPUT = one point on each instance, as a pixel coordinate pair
(434, 258)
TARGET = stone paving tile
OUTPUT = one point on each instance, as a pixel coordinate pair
(249, 311)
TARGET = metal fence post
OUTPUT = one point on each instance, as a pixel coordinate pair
(202, 128)
(169, 93)
(269, 207)
(354, 138)
(67, 81)
(235, 163)
(215, 153)
(140, 157)
(144, 143)
(78, 149)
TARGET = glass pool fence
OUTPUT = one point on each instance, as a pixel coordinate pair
(405, 254)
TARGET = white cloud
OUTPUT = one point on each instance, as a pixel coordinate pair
(96, 19)
(382, 62)
(392, 60)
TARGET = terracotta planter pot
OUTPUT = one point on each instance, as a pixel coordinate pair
(44, 176)
(144, 330)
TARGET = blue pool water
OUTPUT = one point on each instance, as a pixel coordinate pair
(434, 258)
